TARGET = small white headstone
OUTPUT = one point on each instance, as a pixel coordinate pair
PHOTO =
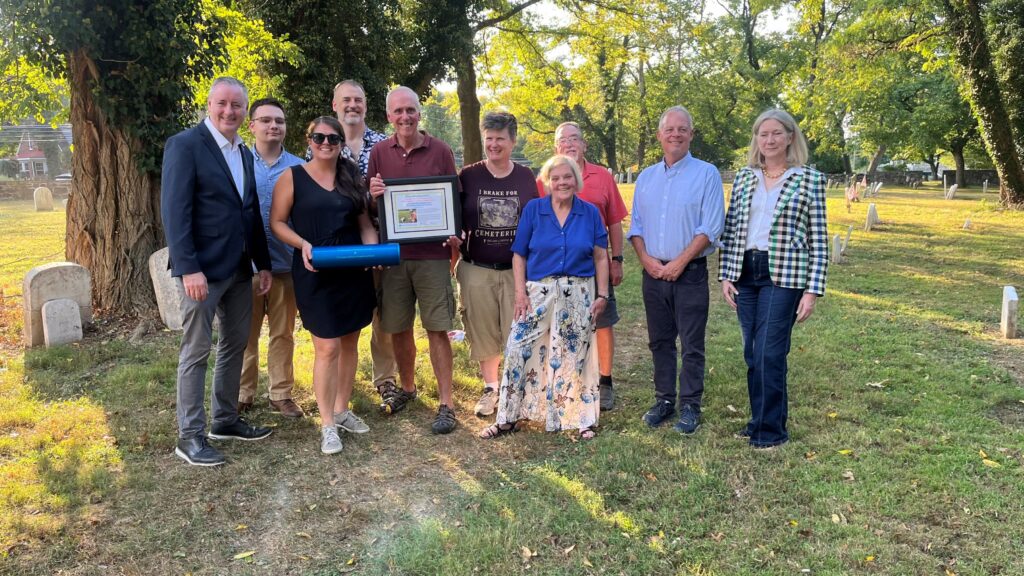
(629, 176)
(951, 193)
(43, 199)
(872, 217)
(837, 249)
(846, 243)
(1008, 320)
(878, 186)
(62, 322)
(967, 224)
(168, 293)
(984, 187)
(51, 282)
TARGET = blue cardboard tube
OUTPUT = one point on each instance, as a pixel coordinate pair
(359, 255)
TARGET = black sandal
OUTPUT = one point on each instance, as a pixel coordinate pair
(588, 433)
(495, 430)
(395, 399)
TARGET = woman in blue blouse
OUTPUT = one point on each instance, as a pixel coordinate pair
(774, 263)
(560, 249)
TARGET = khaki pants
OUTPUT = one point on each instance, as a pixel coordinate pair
(278, 306)
(384, 365)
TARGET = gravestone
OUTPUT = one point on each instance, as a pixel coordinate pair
(878, 186)
(872, 217)
(51, 282)
(984, 187)
(168, 292)
(951, 193)
(43, 199)
(846, 243)
(837, 249)
(1008, 319)
(629, 176)
(62, 322)
(967, 224)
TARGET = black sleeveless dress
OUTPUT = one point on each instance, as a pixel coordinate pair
(332, 301)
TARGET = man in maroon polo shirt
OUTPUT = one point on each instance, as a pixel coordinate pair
(424, 276)
(600, 190)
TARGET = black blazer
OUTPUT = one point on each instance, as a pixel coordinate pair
(209, 227)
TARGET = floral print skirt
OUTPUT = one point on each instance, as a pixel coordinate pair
(551, 372)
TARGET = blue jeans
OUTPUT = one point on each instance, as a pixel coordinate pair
(766, 314)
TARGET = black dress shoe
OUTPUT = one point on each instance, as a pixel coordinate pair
(198, 452)
(660, 413)
(239, 430)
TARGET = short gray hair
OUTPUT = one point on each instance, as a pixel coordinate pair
(500, 120)
(673, 110)
(229, 81)
(566, 125)
(796, 151)
(398, 90)
(556, 161)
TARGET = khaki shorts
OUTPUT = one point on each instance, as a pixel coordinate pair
(487, 300)
(427, 282)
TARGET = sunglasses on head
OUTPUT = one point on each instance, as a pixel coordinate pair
(318, 138)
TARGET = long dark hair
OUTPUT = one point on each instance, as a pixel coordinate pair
(347, 180)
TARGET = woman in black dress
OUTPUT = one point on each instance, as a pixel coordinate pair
(325, 202)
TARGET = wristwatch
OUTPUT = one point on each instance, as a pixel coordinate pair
(618, 258)
(600, 296)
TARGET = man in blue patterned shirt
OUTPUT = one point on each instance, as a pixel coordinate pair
(350, 106)
(268, 127)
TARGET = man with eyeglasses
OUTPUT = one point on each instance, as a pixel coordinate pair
(599, 189)
(268, 127)
(215, 239)
(424, 275)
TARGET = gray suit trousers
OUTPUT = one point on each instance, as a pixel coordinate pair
(231, 301)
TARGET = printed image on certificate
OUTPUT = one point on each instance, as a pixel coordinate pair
(419, 209)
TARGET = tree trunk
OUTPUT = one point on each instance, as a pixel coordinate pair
(875, 160)
(933, 163)
(645, 117)
(113, 214)
(469, 110)
(985, 94)
(958, 159)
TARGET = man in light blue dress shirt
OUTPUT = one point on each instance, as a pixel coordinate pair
(268, 126)
(678, 216)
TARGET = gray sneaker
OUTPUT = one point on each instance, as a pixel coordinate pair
(349, 422)
(485, 406)
(330, 443)
(607, 397)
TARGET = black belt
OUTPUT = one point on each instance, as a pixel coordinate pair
(755, 252)
(498, 266)
(695, 263)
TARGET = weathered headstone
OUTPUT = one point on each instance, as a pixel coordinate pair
(43, 199)
(878, 186)
(837, 249)
(629, 176)
(872, 217)
(967, 224)
(62, 322)
(846, 243)
(51, 282)
(984, 187)
(168, 293)
(1008, 319)
(951, 193)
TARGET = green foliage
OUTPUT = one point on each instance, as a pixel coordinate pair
(137, 58)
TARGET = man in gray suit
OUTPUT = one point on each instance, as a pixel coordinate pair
(215, 236)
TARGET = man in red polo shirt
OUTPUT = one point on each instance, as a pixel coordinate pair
(600, 190)
(424, 276)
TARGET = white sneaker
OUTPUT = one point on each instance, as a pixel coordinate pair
(330, 443)
(485, 406)
(349, 422)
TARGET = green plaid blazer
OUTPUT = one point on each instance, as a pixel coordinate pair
(798, 241)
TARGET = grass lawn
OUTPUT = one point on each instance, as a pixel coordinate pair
(906, 416)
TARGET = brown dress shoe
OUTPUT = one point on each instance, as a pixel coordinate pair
(286, 408)
(244, 407)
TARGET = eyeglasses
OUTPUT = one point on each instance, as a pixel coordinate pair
(269, 120)
(569, 140)
(318, 138)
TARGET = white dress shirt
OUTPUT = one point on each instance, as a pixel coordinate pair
(232, 155)
(762, 208)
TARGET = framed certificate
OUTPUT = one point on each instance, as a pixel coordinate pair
(420, 209)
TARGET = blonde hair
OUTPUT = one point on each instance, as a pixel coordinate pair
(556, 161)
(796, 151)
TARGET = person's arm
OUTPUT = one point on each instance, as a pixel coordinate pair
(817, 245)
(367, 233)
(522, 298)
(615, 243)
(708, 232)
(177, 189)
(280, 212)
(601, 276)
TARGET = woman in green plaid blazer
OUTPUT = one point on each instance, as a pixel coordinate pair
(774, 262)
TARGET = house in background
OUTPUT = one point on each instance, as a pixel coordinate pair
(31, 159)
